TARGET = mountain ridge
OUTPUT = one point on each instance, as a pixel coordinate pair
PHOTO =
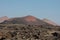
(29, 20)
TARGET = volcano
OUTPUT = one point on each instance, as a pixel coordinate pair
(31, 20)
(25, 20)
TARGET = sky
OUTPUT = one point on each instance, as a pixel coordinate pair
(49, 9)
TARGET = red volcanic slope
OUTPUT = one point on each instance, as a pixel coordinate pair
(3, 19)
(30, 18)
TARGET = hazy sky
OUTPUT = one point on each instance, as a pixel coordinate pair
(49, 9)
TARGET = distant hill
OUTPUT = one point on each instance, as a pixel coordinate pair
(31, 20)
(25, 20)
(3, 18)
(49, 22)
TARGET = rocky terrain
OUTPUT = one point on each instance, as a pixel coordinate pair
(28, 28)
